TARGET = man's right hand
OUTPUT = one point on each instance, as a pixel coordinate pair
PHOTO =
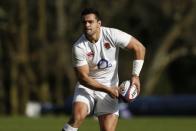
(114, 92)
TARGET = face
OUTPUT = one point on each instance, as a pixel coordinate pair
(90, 24)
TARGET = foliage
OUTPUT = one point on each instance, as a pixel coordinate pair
(36, 39)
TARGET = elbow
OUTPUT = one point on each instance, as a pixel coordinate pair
(138, 48)
(143, 49)
(140, 51)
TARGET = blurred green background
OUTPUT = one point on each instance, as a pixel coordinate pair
(90, 124)
(36, 38)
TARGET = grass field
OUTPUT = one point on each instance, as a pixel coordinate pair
(135, 124)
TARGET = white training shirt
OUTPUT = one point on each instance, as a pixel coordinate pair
(102, 56)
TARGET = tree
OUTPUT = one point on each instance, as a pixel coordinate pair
(163, 56)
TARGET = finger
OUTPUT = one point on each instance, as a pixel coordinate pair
(138, 89)
(116, 92)
(137, 86)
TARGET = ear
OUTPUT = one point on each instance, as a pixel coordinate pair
(99, 22)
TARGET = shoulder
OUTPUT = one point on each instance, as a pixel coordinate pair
(80, 42)
(108, 30)
(111, 32)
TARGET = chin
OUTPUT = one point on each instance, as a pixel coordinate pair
(88, 33)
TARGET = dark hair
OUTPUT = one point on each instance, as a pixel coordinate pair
(87, 11)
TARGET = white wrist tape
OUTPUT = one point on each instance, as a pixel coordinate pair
(137, 67)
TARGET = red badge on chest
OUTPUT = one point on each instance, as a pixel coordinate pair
(107, 45)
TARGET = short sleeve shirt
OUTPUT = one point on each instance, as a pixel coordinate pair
(102, 56)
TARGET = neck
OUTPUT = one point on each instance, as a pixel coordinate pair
(95, 37)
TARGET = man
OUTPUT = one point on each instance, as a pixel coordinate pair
(95, 59)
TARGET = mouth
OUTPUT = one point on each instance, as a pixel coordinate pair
(87, 29)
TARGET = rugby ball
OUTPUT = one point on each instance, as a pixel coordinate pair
(128, 92)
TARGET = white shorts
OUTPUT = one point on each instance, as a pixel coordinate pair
(98, 103)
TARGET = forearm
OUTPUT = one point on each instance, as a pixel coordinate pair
(139, 51)
(139, 54)
(93, 84)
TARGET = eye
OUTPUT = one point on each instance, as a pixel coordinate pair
(90, 21)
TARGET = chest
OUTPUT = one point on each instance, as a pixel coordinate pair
(100, 53)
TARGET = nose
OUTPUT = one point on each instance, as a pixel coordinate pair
(87, 24)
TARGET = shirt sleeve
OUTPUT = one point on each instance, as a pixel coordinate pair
(78, 57)
(121, 38)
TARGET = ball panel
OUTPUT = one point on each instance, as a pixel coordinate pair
(128, 92)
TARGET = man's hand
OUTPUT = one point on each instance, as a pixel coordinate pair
(135, 80)
(114, 92)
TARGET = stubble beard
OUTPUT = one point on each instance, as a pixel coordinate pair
(89, 33)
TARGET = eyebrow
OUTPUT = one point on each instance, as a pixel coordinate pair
(87, 21)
